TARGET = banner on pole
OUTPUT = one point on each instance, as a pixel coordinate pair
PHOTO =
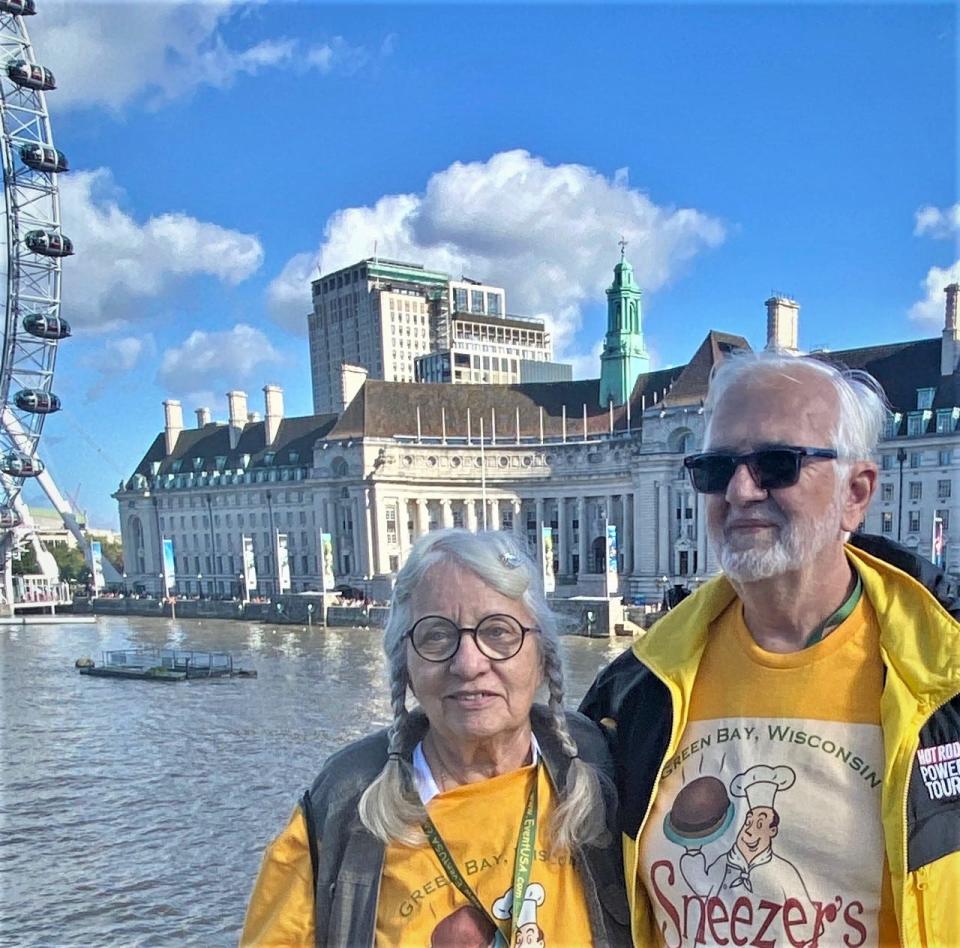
(546, 545)
(249, 564)
(169, 569)
(327, 562)
(612, 567)
(936, 547)
(96, 566)
(283, 562)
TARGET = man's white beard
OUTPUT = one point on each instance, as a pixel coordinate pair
(799, 541)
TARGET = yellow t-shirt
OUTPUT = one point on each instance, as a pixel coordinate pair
(766, 825)
(479, 824)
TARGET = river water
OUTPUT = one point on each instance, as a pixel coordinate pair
(134, 812)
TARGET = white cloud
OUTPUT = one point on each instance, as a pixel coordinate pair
(117, 357)
(121, 262)
(207, 360)
(111, 54)
(932, 307)
(934, 222)
(546, 233)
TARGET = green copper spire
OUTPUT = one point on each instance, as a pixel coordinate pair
(624, 357)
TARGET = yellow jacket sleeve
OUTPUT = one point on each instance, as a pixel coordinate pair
(281, 906)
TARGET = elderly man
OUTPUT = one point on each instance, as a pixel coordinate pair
(810, 694)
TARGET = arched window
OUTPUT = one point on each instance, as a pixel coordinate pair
(136, 534)
(681, 441)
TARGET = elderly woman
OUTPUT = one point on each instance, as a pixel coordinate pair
(478, 818)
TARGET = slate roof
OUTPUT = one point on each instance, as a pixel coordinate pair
(691, 386)
(386, 409)
(296, 435)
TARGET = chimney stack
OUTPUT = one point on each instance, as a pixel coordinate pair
(273, 411)
(237, 407)
(172, 423)
(782, 317)
(950, 348)
(203, 417)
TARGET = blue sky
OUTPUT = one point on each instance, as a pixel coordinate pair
(221, 151)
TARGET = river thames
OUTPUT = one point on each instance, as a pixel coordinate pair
(134, 812)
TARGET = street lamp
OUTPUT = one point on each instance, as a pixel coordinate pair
(242, 586)
(662, 583)
(199, 586)
(124, 584)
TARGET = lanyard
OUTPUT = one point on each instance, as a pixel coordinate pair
(832, 621)
(522, 862)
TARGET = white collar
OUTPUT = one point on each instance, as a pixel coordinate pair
(427, 786)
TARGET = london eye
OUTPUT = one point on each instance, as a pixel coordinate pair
(35, 247)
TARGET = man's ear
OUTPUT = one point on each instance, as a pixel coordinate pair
(861, 484)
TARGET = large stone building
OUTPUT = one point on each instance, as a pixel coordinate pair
(403, 458)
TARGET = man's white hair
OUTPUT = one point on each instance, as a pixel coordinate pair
(861, 400)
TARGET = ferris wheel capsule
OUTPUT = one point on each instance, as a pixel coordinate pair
(31, 75)
(18, 464)
(36, 401)
(48, 243)
(46, 327)
(42, 158)
(9, 518)
(18, 7)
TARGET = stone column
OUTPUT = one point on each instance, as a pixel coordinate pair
(637, 533)
(626, 518)
(470, 515)
(582, 539)
(446, 513)
(357, 518)
(562, 551)
(701, 534)
(370, 563)
(517, 518)
(422, 521)
(538, 544)
(493, 520)
(664, 566)
(403, 512)
(381, 557)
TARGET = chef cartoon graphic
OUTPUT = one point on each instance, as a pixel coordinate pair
(750, 867)
(528, 933)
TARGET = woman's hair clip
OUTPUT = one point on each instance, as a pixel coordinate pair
(510, 560)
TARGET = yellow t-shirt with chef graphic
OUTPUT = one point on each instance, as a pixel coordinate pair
(479, 824)
(766, 825)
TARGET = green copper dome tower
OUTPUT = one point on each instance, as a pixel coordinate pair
(624, 357)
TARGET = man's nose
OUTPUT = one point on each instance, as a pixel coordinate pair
(469, 660)
(743, 489)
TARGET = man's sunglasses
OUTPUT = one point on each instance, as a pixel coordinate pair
(770, 468)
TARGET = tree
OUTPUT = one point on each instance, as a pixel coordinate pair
(71, 563)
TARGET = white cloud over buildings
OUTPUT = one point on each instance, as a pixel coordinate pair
(547, 233)
(942, 224)
(121, 261)
(214, 361)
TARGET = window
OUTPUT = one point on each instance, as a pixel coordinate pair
(892, 426)
(916, 424)
(476, 301)
(944, 516)
(916, 458)
(914, 521)
(886, 462)
(943, 490)
(493, 304)
(390, 515)
(947, 419)
(886, 522)
(916, 490)
(886, 491)
(459, 299)
(945, 458)
(925, 398)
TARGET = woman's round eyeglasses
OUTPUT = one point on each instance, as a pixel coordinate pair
(498, 637)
